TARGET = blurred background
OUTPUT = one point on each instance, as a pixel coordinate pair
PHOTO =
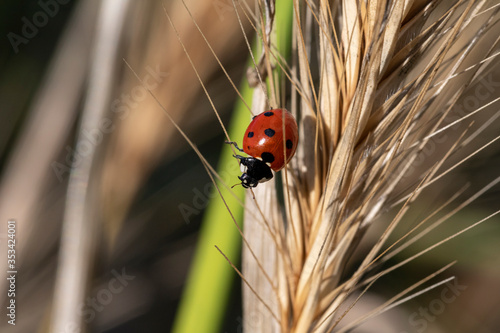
(62, 69)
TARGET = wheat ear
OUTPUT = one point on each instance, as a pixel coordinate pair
(372, 84)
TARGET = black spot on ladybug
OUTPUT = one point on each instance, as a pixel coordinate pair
(269, 114)
(269, 132)
(250, 134)
(289, 144)
(267, 157)
(248, 147)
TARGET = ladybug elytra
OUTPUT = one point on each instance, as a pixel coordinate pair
(263, 141)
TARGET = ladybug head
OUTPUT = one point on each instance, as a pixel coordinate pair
(255, 171)
(248, 181)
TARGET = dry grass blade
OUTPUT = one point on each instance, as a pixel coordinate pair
(80, 220)
(25, 174)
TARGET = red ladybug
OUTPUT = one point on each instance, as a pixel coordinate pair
(263, 141)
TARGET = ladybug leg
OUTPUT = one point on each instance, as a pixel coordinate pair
(242, 159)
(235, 145)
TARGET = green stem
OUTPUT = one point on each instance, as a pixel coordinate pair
(206, 295)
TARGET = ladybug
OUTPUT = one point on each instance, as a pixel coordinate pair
(263, 141)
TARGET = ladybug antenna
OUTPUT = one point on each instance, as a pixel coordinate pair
(235, 185)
